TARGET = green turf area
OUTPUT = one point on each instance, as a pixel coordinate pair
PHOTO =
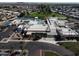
(55, 14)
(73, 46)
(37, 14)
(50, 53)
(43, 15)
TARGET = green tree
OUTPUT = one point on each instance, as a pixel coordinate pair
(45, 9)
(22, 14)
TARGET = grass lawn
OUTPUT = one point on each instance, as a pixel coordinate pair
(36, 14)
(73, 46)
(42, 15)
(60, 16)
(50, 53)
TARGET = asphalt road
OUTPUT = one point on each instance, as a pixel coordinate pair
(32, 46)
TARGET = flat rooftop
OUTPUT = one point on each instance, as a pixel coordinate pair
(68, 31)
(38, 27)
(34, 25)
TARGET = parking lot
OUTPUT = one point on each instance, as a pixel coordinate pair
(6, 33)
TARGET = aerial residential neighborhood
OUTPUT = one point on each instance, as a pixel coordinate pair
(43, 29)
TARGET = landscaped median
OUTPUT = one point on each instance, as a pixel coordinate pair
(50, 53)
(73, 46)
